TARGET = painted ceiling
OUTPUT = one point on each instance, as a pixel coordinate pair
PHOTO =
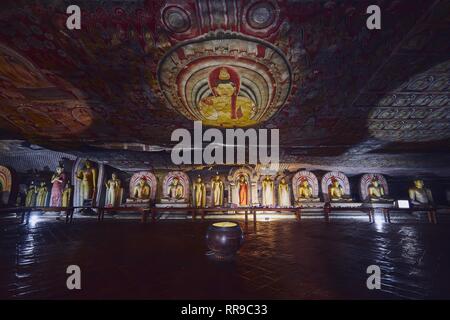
(116, 89)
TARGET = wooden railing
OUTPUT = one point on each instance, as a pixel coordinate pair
(155, 212)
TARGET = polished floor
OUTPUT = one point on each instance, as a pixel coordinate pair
(168, 260)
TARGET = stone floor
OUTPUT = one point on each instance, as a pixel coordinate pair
(167, 260)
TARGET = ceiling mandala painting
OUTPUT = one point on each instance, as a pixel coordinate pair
(230, 76)
(341, 95)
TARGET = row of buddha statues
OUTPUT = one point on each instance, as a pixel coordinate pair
(242, 188)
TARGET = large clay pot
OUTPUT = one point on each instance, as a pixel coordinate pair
(224, 239)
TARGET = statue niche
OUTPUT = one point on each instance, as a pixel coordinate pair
(87, 178)
(374, 188)
(175, 190)
(306, 187)
(142, 189)
(336, 187)
(243, 187)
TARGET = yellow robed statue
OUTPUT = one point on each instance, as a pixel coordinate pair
(217, 190)
(199, 193)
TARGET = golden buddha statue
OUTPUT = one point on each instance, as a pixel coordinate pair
(225, 107)
(217, 190)
(199, 193)
(284, 198)
(41, 197)
(176, 190)
(66, 195)
(88, 177)
(336, 191)
(420, 196)
(113, 191)
(376, 191)
(268, 197)
(30, 199)
(243, 191)
(142, 190)
(305, 191)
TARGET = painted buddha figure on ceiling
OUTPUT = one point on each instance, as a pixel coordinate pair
(305, 192)
(376, 191)
(419, 195)
(225, 107)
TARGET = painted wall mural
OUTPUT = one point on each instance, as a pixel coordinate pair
(5, 185)
(141, 67)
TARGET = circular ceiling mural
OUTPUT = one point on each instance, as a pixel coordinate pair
(226, 79)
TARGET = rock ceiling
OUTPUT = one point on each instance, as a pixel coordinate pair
(341, 95)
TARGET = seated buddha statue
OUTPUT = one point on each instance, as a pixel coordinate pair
(420, 196)
(225, 106)
(141, 192)
(336, 191)
(176, 190)
(305, 192)
(376, 192)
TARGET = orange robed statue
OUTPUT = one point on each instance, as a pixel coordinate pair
(243, 191)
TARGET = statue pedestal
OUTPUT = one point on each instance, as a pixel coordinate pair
(378, 205)
(345, 204)
(137, 203)
(172, 203)
(310, 204)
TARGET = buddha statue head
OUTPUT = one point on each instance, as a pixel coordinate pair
(241, 179)
(43, 184)
(335, 183)
(59, 170)
(418, 183)
(114, 176)
(87, 164)
(375, 182)
(305, 183)
(175, 181)
(199, 179)
(283, 180)
(142, 182)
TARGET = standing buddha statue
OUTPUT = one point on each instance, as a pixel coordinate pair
(199, 193)
(284, 199)
(88, 177)
(41, 197)
(243, 191)
(113, 191)
(268, 198)
(217, 190)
